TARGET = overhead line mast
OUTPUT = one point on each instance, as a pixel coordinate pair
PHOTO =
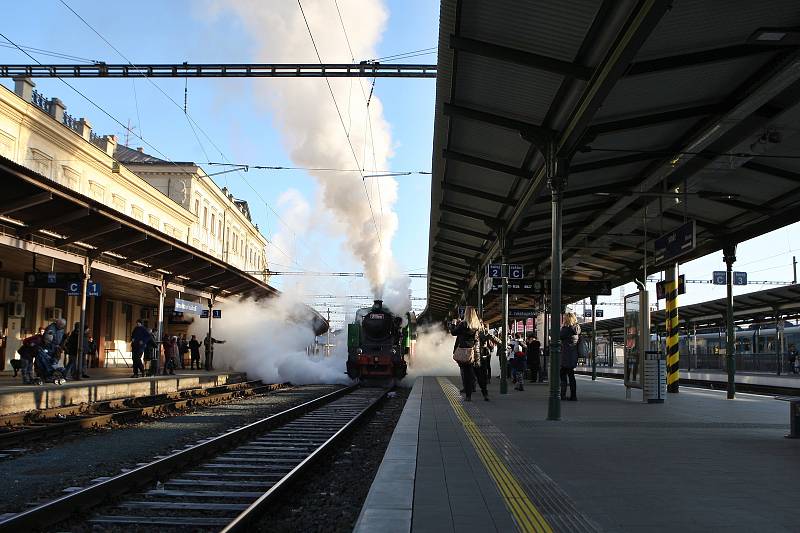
(221, 70)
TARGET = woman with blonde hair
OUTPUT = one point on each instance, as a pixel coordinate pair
(466, 352)
(569, 334)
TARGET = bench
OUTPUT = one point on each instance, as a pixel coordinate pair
(794, 415)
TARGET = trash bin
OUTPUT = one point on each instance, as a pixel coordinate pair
(655, 377)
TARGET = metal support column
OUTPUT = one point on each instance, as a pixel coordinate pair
(672, 328)
(729, 255)
(594, 338)
(501, 350)
(545, 347)
(779, 337)
(210, 344)
(78, 370)
(557, 181)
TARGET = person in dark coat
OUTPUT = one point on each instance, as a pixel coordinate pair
(139, 338)
(209, 343)
(569, 334)
(194, 349)
(533, 354)
(467, 334)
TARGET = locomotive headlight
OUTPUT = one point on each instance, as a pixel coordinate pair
(394, 351)
(359, 351)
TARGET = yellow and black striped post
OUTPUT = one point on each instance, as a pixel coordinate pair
(673, 341)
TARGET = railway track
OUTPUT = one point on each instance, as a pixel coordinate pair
(23, 428)
(221, 484)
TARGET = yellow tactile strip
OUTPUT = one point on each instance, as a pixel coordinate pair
(525, 513)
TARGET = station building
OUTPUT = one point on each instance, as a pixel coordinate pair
(141, 219)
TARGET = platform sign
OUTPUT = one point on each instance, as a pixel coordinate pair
(515, 272)
(494, 270)
(588, 288)
(92, 288)
(587, 313)
(216, 313)
(186, 306)
(598, 313)
(488, 285)
(740, 278)
(637, 328)
(521, 313)
(51, 280)
(675, 243)
(719, 277)
(661, 287)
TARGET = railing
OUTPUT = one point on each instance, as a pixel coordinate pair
(121, 356)
(40, 101)
(97, 140)
(72, 123)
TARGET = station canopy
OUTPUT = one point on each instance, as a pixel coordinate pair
(665, 112)
(40, 211)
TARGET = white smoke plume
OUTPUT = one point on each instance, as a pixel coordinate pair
(310, 126)
(268, 340)
(433, 354)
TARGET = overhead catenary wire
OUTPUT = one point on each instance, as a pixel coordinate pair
(341, 120)
(382, 173)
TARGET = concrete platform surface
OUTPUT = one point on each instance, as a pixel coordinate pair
(104, 384)
(698, 462)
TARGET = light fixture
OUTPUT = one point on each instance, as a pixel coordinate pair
(781, 36)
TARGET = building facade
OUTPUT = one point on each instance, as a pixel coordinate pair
(176, 199)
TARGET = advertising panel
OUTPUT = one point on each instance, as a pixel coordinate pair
(634, 348)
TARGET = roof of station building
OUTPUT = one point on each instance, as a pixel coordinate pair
(663, 111)
(36, 208)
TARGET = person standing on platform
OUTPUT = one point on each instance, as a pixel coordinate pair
(194, 349)
(794, 360)
(152, 352)
(518, 364)
(58, 329)
(89, 351)
(209, 343)
(27, 353)
(490, 342)
(139, 338)
(569, 335)
(467, 352)
(533, 353)
(183, 349)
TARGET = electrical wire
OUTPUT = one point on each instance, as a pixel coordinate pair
(404, 55)
(323, 169)
(50, 53)
(341, 119)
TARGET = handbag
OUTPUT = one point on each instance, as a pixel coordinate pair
(463, 355)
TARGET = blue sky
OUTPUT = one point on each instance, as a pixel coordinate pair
(229, 112)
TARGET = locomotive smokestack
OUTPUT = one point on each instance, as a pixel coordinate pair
(377, 304)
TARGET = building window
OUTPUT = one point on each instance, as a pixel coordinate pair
(213, 223)
(197, 207)
(169, 229)
(7, 143)
(118, 202)
(219, 232)
(97, 191)
(72, 178)
(205, 217)
(40, 161)
(137, 213)
(154, 221)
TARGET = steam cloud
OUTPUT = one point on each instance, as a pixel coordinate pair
(434, 354)
(308, 121)
(268, 340)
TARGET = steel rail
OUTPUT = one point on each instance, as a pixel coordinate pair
(221, 70)
(62, 508)
(258, 507)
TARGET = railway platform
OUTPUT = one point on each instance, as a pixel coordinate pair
(105, 384)
(698, 462)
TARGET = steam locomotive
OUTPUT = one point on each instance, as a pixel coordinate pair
(380, 343)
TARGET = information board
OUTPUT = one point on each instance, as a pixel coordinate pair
(637, 327)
